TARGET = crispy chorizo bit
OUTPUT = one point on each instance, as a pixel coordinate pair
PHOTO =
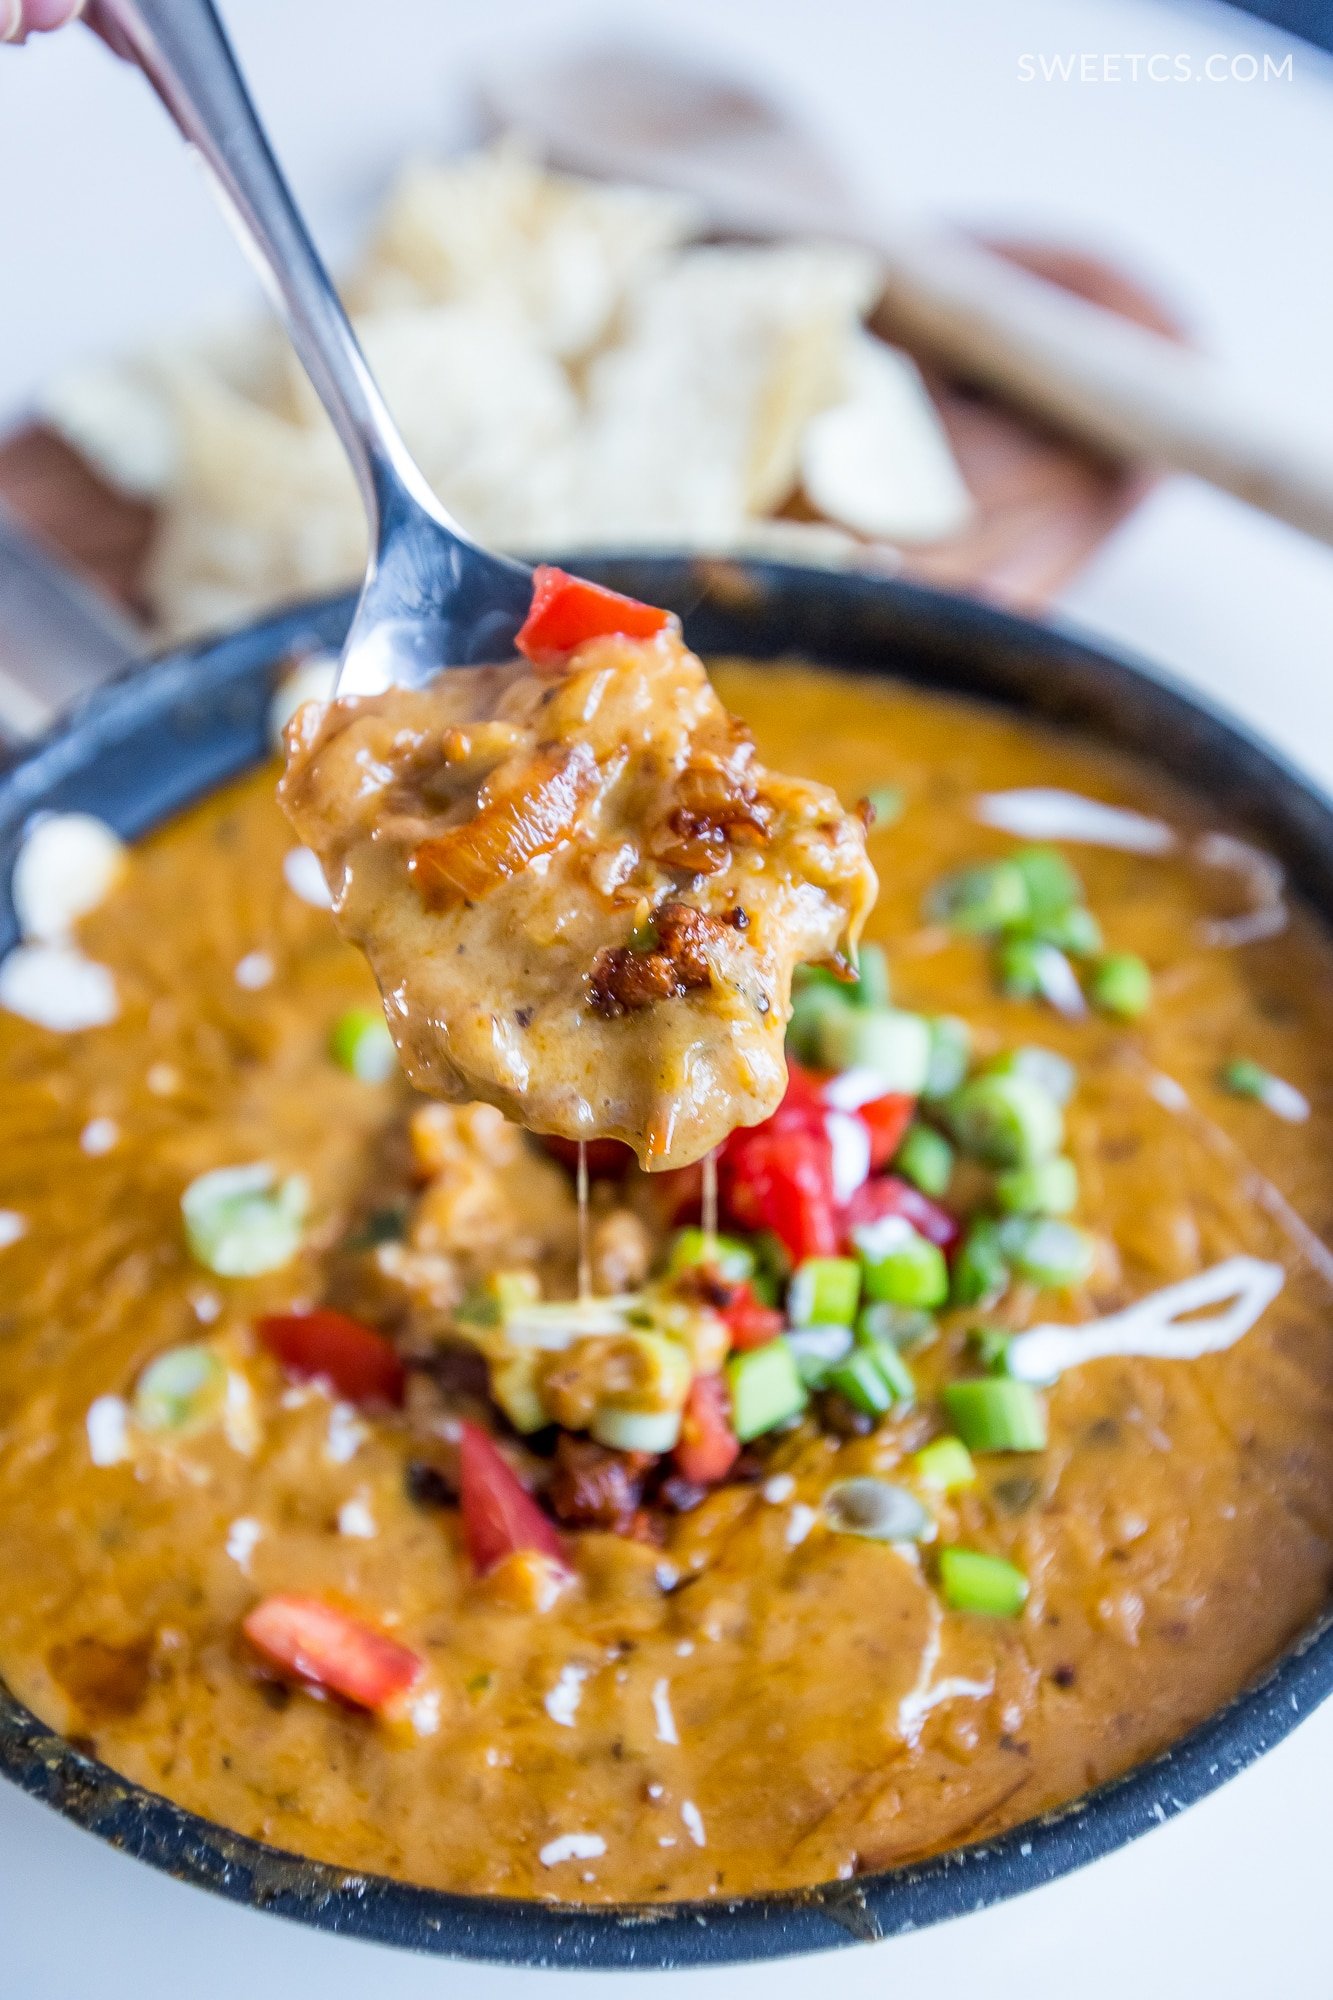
(623, 979)
(595, 1487)
(510, 830)
(717, 807)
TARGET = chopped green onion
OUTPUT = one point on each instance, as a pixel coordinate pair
(644, 936)
(1054, 1074)
(362, 1045)
(1007, 1121)
(944, 1466)
(887, 805)
(731, 1257)
(993, 896)
(980, 1268)
(181, 1389)
(950, 1053)
(971, 1581)
(1120, 984)
(1051, 884)
(1048, 1252)
(812, 978)
(926, 1159)
(636, 1430)
(990, 1344)
(241, 1221)
(811, 1006)
(1029, 969)
(895, 1045)
(900, 1266)
(818, 1349)
(1076, 931)
(905, 1326)
(824, 1291)
(893, 1370)
(1244, 1078)
(1248, 1079)
(872, 1379)
(1050, 1187)
(996, 1415)
(766, 1389)
(877, 1510)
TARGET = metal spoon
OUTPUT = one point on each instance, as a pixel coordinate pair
(432, 597)
(628, 113)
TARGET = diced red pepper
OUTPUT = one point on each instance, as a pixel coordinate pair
(500, 1516)
(890, 1196)
(608, 1159)
(566, 610)
(782, 1180)
(333, 1650)
(359, 1364)
(708, 1447)
(750, 1322)
(886, 1119)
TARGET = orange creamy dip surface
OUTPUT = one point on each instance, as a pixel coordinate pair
(756, 1702)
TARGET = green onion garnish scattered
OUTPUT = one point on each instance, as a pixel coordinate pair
(1030, 969)
(874, 987)
(996, 1415)
(1050, 1187)
(926, 1159)
(817, 1349)
(1048, 1252)
(362, 1045)
(876, 1509)
(989, 897)
(872, 1379)
(241, 1221)
(887, 805)
(980, 1268)
(944, 1466)
(181, 1389)
(990, 1344)
(950, 1053)
(1120, 984)
(824, 1291)
(894, 1044)
(905, 1326)
(731, 1257)
(1006, 1120)
(1244, 1078)
(1051, 884)
(971, 1581)
(766, 1389)
(1075, 931)
(1055, 1074)
(900, 1266)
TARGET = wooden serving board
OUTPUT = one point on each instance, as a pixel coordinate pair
(1043, 506)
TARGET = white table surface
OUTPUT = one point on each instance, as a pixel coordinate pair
(1222, 194)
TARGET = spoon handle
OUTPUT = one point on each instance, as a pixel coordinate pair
(183, 50)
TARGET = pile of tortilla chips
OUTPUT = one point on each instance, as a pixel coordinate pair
(572, 368)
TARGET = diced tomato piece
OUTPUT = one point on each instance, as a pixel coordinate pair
(566, 610)
(890, 1196)
(802, 1105)
(750, 1322)
(886, 1119)
(499, 1514)
(359, 1364)
(780, 1180)
(708, 1447)
(608, 1159)
(328, 1647)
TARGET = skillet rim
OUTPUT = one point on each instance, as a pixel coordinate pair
(215, 695)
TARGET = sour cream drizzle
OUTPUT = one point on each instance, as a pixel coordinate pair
(1156, 1326)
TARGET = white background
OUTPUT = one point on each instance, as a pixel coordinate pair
(1219, 194)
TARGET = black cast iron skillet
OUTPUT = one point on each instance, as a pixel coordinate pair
(153, 742)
